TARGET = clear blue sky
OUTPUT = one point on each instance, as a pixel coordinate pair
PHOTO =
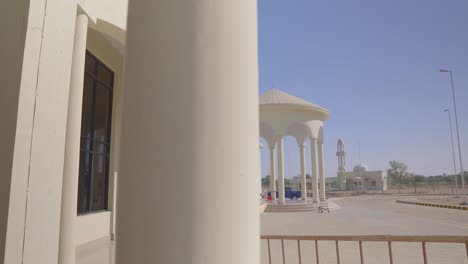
(374, 65)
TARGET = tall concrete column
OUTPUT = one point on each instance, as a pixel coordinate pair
(188, 182)
(313, 155)
(272, 173)
(72, 145)
(303, 172)
(281, 196)
(321, 172)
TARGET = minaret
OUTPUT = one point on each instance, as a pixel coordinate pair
(340, 153)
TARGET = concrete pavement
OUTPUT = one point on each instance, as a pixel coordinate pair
(370, 216)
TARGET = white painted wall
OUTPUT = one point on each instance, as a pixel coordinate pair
(36, 64)
(111, 11)
(378, 176)
(40, 134)
(93, 226)
(109, 16)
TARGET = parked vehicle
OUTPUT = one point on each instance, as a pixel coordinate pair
(288, 193)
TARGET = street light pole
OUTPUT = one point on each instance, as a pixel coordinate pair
(453, 153)
(464, 202)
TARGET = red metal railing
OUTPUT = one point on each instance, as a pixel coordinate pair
(389, 239)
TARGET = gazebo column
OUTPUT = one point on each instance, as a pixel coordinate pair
(272, 173)
(313, 155)
(72, 145)
(281, 196)
(190, 134)
(321, 172)
(303, 172)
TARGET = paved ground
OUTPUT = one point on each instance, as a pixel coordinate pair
(370, 216)
(357, 216)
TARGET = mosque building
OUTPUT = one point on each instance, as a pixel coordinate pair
(361, 178)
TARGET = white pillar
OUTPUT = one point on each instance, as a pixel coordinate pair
(281, 197)
(189, 143)
(72, 145)
(313, 155)
(321, 172)
(272, 173)
(303, 172)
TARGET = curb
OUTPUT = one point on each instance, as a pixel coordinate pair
(457, 207)
(395, 195)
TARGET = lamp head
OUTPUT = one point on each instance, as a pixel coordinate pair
(445, 70)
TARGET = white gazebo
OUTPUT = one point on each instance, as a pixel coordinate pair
(281, 115)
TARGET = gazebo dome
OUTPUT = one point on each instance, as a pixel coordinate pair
(277, 97)
(360, 168)
(283, 114)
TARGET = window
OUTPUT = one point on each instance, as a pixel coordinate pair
(95, 136)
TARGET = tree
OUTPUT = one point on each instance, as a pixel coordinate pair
(287, 182)
(419, 178)
(266, 181)
(398, 171)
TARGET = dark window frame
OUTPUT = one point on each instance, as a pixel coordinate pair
(89, 152)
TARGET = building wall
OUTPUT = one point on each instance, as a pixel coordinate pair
(36, 62)
(96, 225)
(111, 11)
(378, 176)
(11, 58)
(37, 170)
(92, 227)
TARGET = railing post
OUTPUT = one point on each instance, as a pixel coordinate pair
(390, 251)
(282, 251)
(424, 252)
(360, 252)
(466, 245)
(337, 252)
(317, 252)
(299, 251)
(269, 251)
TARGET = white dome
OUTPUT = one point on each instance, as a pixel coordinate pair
(277, 97)
(360, 168)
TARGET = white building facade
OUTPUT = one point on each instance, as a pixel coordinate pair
(361, 178)
(165, 104)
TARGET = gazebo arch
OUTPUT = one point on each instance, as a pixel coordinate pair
(282, 114)
(267, 133)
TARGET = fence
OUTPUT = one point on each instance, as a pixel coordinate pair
(439, 189)
(389, 240)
